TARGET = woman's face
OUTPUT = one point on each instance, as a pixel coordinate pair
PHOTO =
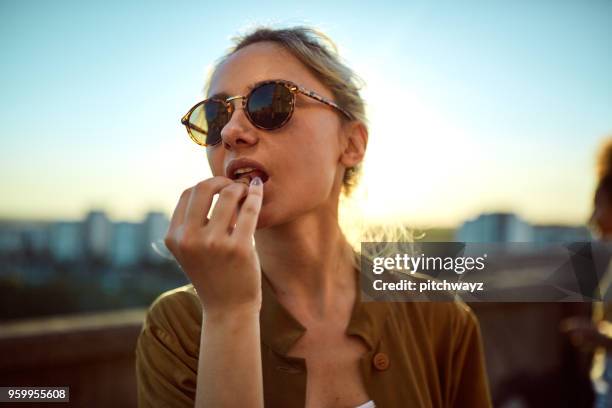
(302, 159)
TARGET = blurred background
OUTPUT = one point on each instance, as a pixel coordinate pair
(484, 122)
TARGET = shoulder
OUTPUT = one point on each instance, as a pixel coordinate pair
(167, 350)
(451, 313)
(176, 316)
(439, 317)
(180, 300)
(444, 324)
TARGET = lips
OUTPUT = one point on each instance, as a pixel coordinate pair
(244, 170)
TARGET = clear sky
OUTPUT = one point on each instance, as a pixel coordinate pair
(474, 105)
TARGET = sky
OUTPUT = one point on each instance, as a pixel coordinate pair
(473, 106)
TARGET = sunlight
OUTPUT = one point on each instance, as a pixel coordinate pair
(416, 159)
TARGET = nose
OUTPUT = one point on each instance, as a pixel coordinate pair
(238, 131)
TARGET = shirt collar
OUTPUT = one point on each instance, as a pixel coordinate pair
(280, 330)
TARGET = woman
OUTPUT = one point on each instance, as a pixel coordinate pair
(595, 334)
(282, 321)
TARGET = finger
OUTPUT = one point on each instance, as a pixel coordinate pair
(201, 198)
(249, 212)
(232, 223)
(235, 213)
(179, 211)
(226, 206)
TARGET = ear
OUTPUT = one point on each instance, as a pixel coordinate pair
(355, 143)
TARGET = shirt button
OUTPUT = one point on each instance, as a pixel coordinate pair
(381, 361)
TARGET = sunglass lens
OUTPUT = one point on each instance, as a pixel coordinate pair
(270, 105)
(206, 122)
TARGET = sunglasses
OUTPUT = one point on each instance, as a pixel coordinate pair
(269, 105)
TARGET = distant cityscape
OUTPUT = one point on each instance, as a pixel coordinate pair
(96, 239)
(121, 244)
(509, 227)
(64, 267)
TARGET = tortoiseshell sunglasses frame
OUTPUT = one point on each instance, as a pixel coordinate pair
(293, 88)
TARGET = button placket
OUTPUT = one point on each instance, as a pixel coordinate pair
(288, 369)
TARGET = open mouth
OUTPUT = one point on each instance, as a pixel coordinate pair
(246, 174)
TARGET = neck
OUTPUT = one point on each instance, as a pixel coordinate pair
(308, 261)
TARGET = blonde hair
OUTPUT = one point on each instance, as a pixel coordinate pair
(320, 55)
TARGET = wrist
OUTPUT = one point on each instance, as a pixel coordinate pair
(228, 316)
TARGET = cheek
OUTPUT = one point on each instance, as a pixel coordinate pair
(309, 172)
(215, 162)
(318, 143)
(314, 151)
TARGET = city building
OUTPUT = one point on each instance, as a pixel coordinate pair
(10, 239)
(508, 227)
(495, 227)
(155, 226)
(126, 247)
(35, 238)
(560, 233)
(94, 239)
(66, 241)
(97, 230)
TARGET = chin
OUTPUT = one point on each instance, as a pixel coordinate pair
(265, 218)
(262, 222)
(271, 217)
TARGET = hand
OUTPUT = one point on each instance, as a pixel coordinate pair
(584, 333)
(218, 257)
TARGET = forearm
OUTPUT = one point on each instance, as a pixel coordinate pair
(229, 366)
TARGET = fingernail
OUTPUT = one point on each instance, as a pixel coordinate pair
(256, 181)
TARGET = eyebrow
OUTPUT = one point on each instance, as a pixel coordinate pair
(225, 95)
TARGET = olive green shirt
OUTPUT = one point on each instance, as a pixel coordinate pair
(421, 354)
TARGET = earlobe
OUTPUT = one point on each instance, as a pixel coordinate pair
(356, 141)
